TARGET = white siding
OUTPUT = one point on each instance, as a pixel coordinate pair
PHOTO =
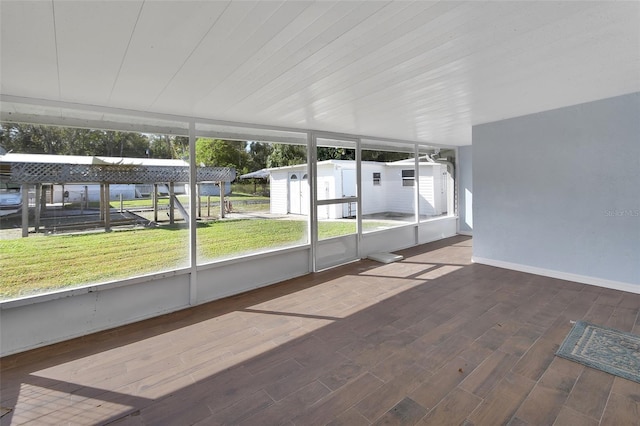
(278, 192)
(327, 190)
(399, 198)
(433, 201)
(389, 196)
(427, 190)
(374, 197)
(328, 182)
(427, 201)
(440, 182)
(75, 192)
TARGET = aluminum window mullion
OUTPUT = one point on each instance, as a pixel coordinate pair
(416, 192)
(193, 278)
(313, 194)
(359, 197)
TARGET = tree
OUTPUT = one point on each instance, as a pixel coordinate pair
(81, 141)
(222, 153)
(123, 144)
(330, 153)
(384, 156)
(31, 139)
(168, 146)
(160, 146)
(286, 155)
(258, 155)
(36, 139)
(180, 147)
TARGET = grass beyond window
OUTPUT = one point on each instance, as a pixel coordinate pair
(40, 263)
(43, 263)
(217, 240)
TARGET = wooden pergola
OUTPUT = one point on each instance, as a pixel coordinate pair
(39, 170)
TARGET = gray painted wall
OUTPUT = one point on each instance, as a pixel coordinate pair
(465, 187)
(560, 190)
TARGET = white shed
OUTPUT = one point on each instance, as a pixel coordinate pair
(289, 189)
(386, 188)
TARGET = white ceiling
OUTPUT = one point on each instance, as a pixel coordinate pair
(423, 71)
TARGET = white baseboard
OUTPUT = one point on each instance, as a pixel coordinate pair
(582, 279)
(467, 233)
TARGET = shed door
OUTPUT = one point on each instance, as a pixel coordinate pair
(304, 194)
(294, 193)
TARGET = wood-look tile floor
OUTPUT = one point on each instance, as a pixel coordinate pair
(432, 340)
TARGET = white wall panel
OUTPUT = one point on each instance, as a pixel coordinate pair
(437, 229)
(558, 191)
(336, 251)
(228, 278)
(28, 325)
(388, 240)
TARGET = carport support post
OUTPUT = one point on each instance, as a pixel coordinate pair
(25, 210)
(154, 197)
(38, 203)
(101, 201)
(171, 203)
(43, 199)
(221, 184)
(107, 209)
(198, 201)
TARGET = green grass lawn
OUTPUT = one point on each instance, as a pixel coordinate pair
(40, 263)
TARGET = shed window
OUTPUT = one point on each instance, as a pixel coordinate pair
(408, 177)
(376, 178)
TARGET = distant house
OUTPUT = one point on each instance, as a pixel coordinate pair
(387, 188)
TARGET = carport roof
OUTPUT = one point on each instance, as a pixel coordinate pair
(87, 160)
(39, 168)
